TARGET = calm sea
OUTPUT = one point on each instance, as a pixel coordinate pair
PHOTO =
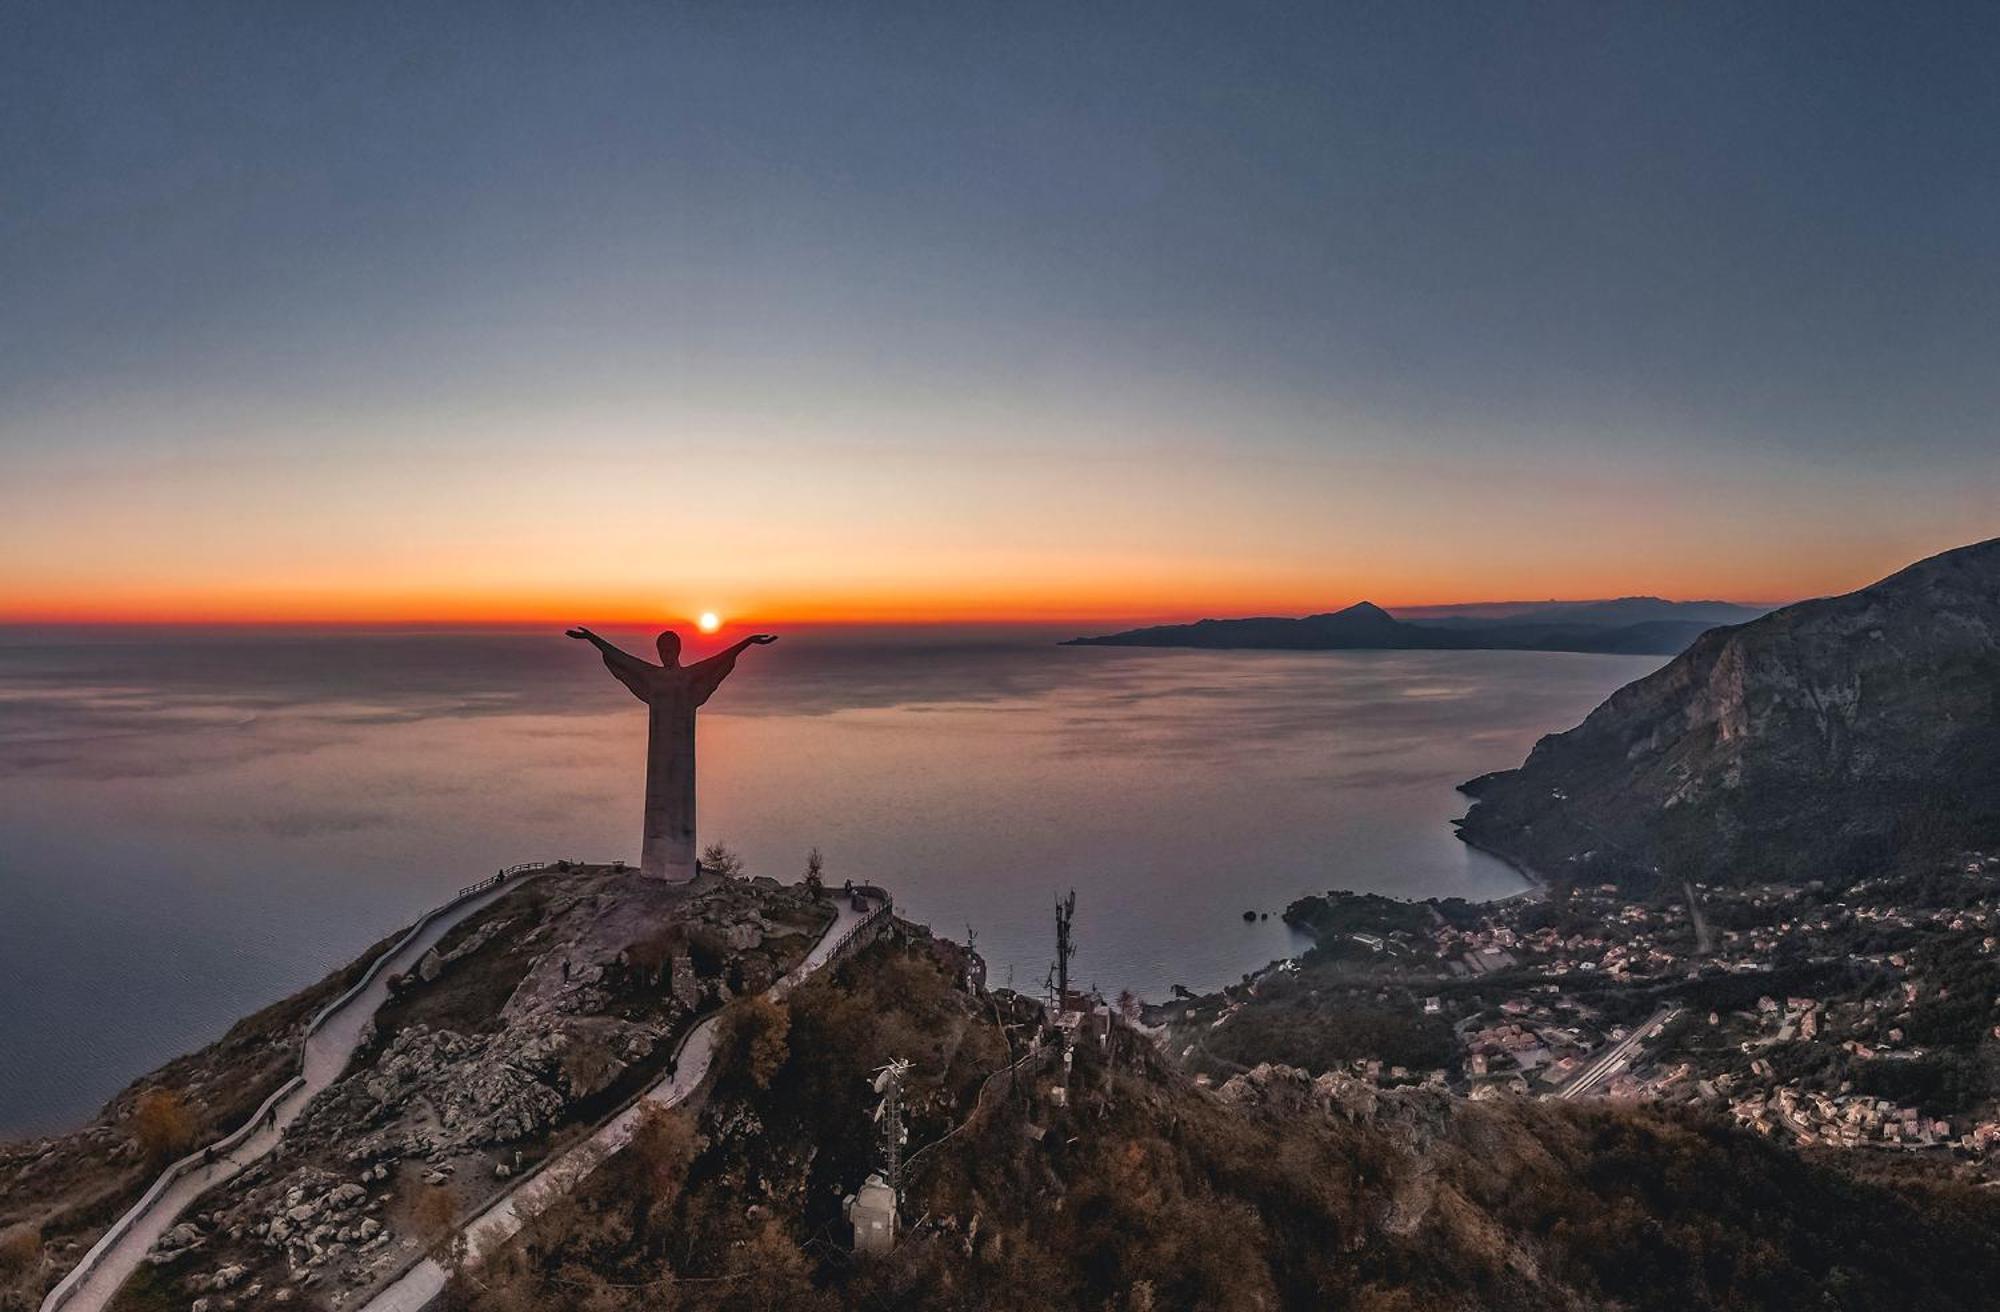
(193, 823)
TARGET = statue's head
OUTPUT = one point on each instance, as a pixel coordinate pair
(669, 644)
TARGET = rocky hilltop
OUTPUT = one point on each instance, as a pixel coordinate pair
(528, 1022)
(1819, 741)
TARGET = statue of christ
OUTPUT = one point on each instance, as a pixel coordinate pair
(672, 693)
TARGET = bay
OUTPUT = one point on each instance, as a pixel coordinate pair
(194, 822)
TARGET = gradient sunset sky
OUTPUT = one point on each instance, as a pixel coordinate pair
(611, 311)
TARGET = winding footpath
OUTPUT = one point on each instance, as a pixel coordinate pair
(500, 1220)
(330, 1044)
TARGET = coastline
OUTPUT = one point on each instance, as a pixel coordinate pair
(1538, 888)
(1538, 883)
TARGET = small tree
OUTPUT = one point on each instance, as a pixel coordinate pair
(665, 1144)
(434, 1216)
(719, 860)
(758, 1033)
(163, 1125)
(815, 873)
(21, 1267)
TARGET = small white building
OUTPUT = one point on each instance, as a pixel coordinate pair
(872, 1213)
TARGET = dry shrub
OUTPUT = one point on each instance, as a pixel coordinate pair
(434, 1216)
(664, 1144)
(20, 1268)
(163, 1126)
(20, 1248)
(757, 1047)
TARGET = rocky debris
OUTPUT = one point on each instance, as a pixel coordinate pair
(505, 1095)
(482, 1090)
(309, 1219)
(226, 1277)
(758, 972)
(176, 1243)
(433, 963)
(414, 1057)
(1287, 1089)
(427, 1104)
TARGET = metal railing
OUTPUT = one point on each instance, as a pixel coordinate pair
(884, 905)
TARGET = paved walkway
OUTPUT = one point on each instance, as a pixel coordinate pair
(502, 1219)
(326, 1055)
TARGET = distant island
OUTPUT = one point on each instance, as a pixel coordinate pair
(1637, 626)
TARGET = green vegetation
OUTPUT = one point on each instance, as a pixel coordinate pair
(1319, 1032)
(1339, 912)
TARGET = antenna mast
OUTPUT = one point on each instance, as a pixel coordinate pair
(1065, 947)
(889, 1112)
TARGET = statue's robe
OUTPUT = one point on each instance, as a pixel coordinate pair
(672, 693)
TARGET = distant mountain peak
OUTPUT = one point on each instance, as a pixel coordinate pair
(1620, 626)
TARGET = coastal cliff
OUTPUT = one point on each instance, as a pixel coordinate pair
(1820, 741)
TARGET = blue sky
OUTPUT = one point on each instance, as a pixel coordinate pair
(954, 310)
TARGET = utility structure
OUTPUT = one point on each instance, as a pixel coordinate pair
(889, 1115)
(1065, 947)
(872, 1209)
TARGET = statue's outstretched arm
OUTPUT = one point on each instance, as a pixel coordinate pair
(706, 676)
(635, 674)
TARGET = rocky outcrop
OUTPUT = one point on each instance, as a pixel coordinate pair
(1818, 741)
(533, 1019)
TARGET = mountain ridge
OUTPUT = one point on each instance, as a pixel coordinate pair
(1626, 625)
(1818, 740)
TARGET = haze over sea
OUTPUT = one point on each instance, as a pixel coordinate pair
(196, 822)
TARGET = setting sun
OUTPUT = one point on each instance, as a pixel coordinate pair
(709, 622)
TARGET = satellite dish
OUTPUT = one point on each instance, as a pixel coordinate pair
(891, 1074)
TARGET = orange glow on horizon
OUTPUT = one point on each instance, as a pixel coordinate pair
(1049, 586)
(1110, 597)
